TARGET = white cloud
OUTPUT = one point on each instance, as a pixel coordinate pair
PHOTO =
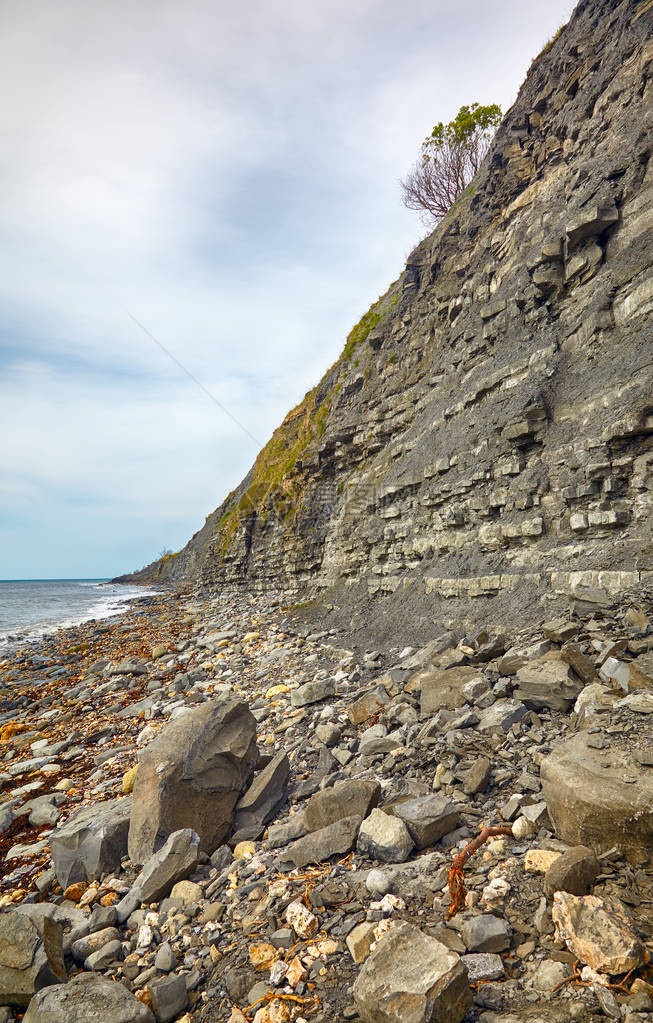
(229, 174)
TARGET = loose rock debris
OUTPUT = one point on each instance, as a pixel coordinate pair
(239, 932)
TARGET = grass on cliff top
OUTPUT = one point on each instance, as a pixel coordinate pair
(272, 470)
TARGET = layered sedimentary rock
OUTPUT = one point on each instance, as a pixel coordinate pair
(488, 429)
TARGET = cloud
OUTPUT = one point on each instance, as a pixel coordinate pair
(228, 174)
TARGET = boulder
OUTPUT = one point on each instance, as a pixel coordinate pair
(31, 956)
(191, 775)
(412, 978)
(588, 802)
(548, 682)
(265, 795)
(334, 840)
(478, 777)
(427, 818)
(353, 798)
(443, 688)
(575, 872)
(91, 842)
(173, 862)
(598, 932)
(386, 838)
(87, 998)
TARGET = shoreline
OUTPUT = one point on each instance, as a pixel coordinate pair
(435, 741)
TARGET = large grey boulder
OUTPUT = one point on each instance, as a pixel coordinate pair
(266, 794)
(192, 775)
(173, 862)
(31, 956)
(93, 841)
(87, 998)
(588, 802)
(548, 682)
(344, 799)
(412, 978)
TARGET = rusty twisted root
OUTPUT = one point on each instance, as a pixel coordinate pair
(455, 875)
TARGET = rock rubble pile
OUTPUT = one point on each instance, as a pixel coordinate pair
(252, 821)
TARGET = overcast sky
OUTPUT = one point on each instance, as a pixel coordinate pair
(229, 174)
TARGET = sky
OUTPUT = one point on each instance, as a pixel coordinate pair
(228, 175)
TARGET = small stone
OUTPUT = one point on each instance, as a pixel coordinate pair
(427, 818)
(385, 838)
(313, 692)
(128, 779)
(165, 958)
(478, 776)
(486, 933)
(483, 966)
(169, 997)
(244, 850)
(575, 872)
(360, 940)
(187, 891)
(538, 861)
(522, 828)
(549, 975)
(262, 955)
(304, 923)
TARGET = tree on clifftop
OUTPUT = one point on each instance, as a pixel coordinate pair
(451, 156)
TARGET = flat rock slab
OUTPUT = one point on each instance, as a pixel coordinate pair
(442, 689)
(548, 682)
(588, 802)
(191, 776)
(354, 798)
(428, 818)
(313, 692)
(92, 842)
(335, 840)
(172, 863)
(87, 998)
(266, 794)
(598, 932)
(412, 978)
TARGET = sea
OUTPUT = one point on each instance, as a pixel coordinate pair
(32, 608)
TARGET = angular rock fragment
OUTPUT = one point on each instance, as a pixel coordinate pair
(93, 841)
(386, 838)
(191, 775)
(598, 932)
(574, 872)
(486, 933)
(412, 978)
(313, 692)
(31, 956)
(353, 798)
(265, 795)
(169, 997)
(334, 840)
(502, 715)
(87, 998)
(443, 689)
(548, 682)
(367, 705)
(173, 862)
(427, 818)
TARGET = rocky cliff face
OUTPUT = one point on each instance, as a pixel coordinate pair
(488, 430)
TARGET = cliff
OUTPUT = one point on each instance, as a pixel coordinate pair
(488, 430)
